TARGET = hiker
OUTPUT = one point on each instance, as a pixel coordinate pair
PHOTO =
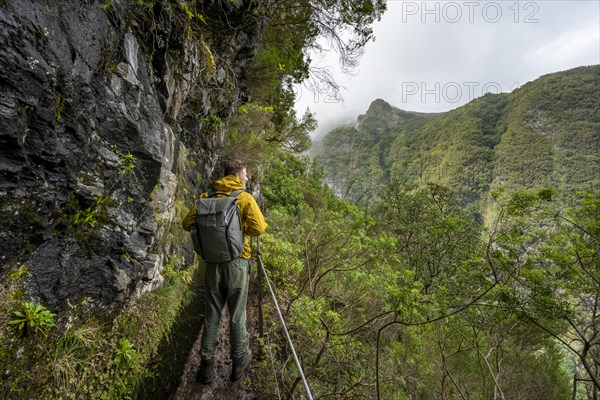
(227, 282)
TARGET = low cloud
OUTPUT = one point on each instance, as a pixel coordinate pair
(435, 49)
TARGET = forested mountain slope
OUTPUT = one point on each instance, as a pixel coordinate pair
(491, 282)
(545, 133)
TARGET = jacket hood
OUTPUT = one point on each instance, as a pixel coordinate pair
(227, 184)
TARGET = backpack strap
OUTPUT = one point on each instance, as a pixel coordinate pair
(235, 193)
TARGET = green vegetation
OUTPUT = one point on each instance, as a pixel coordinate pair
(414, 298)
(126, 163)
(145, 3)
(212, 121)
(282, 58)
(93, 214)
(59, 105)
(125, 352)
(90, 352)
(209, 58)
(187, 10)
(556, 286)
(545, 133)
(82, 222)
(107, 5)
(33, 318)
(503, 309)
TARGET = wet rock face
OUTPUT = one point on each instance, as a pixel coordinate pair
(92, 138)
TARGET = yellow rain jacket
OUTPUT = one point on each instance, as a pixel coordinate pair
(253, 221)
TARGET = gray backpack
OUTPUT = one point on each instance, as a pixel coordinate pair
(218, 236)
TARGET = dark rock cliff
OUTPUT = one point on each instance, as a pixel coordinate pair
(103, 107)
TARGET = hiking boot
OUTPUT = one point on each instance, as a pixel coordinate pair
(204, 374)
(240, 365)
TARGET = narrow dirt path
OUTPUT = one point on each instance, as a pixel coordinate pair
(221, 387)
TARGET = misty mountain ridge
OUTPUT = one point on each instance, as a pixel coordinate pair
(546, 133)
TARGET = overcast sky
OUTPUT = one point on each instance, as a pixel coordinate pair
(433, 56)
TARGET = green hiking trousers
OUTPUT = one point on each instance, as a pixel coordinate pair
(226, 283)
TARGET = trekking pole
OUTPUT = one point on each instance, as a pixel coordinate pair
(287, 334)
(259, 278)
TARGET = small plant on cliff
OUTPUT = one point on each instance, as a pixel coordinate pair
(210, 58)
(125, 352)
(92, 214)
(107, 4)
(212, 121)
(145, 3)
(126, 163)
(33, 318)
(59, 103)
(190, 14)
(21, 273)
(187, 10)
(154, 189)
